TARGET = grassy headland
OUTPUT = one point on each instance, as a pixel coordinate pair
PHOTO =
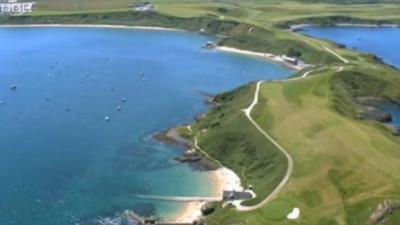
(344, 167)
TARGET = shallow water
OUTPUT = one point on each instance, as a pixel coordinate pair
(383, 42)
(393, 109)
(60, 161)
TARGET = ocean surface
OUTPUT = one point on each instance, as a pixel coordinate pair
(61, 162)
(383, 42)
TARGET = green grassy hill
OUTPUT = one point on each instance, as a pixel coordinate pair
(349, 2)
(344, 167)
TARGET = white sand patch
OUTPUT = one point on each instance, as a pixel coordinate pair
(228, 180)
(268, 56)
(90, 26)
(224, 180)
(295, 214)
(191, 212)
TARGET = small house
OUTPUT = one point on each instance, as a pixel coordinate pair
(143, 7)
(236, 195)
(291, 60)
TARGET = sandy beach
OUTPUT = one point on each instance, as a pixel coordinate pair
(190, 213)
(268, 56)
(91, 26)
(223, 179)
(226, 180)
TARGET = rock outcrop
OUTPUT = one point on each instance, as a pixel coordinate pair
(172, 137)
(189, 156)
(208, 209)
(372, 113)
(396, 132)
(382, 210)
(195, 158)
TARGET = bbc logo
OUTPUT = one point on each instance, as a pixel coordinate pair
(12, 7)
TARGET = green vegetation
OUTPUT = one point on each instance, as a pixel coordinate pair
(351, 84)
(349, 2)
(343, 167)
(224, 135)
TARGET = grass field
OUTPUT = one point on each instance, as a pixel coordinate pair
(343, 166)
(260, 12)
(225, 135)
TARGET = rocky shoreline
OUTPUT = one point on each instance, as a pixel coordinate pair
(370, 111)
(223, 178)
(383, 210)
(199, 161)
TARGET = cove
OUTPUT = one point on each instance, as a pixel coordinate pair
(391, 108)
(383, 42)
(61, 163)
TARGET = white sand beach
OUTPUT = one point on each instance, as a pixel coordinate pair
(190, 213)
(224, 179)
(90, 26)
(268, 56)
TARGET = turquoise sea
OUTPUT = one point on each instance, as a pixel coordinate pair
(61, 163)
(383, 42)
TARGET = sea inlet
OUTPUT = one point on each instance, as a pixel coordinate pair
(78, 110)
(381, 41)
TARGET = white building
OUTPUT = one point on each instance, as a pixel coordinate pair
(291, 60)
(143, 7)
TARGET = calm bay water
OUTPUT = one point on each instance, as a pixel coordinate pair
(61, 163)
(383, 42)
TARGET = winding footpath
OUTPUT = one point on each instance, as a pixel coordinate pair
(247, 112)
(335, 54)
(289, 170)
